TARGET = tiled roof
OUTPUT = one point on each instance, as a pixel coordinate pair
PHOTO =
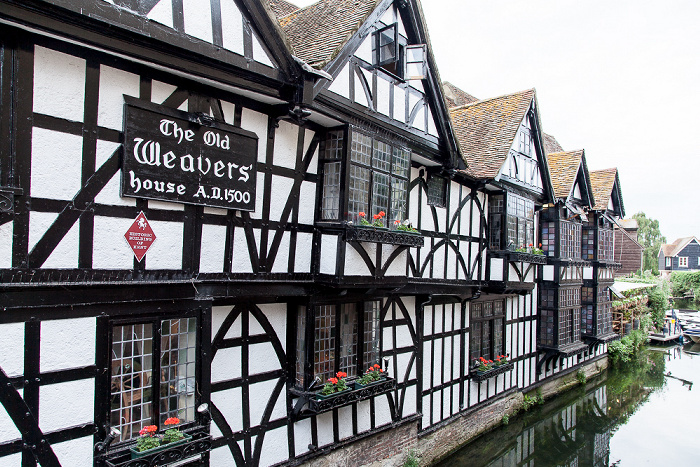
(486, 129)
(318, 32)
(603, 182)
(672, 249)
(455, 96)
(551, 144)
(282, 8)
(563, 168)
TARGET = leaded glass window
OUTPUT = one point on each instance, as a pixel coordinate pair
(487, 327)
(437, 190)
(570, 239)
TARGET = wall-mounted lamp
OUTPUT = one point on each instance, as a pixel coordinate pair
(102, 446)
(203, 410)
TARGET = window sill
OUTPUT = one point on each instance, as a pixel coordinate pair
(192, 449)
(520, 256)
(601, 339)
(479, 376)
(344, 398)
(383, 235)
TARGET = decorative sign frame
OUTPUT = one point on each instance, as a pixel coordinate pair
(181, 157)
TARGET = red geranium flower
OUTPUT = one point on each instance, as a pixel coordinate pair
(376, 366)
(171, 421)
(333, 380)
(377, 216)
(341, 374)
(361, 214)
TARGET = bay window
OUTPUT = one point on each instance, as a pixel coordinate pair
(517, 215)
(487, 324)
(342, 337)
(560, 316)
(153, 367)
(377, 174)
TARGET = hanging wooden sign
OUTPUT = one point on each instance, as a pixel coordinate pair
(178, 156)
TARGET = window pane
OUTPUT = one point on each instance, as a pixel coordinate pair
(387, 45)
(399, 189)
(177, 367)
(380, 194)
(436, 191)
(331, 191)
(497, 337)
(348, 339)
(475, 341)
(361, 148)
(324, 344)
(301, 346)
(401, 162)
(132, 370)
(358, 194)
(381, 159)
(371, 333)
(333, 145)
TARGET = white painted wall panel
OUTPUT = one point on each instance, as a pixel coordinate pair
(226, 364)
(67, 343)
(410, 401)
(285, 151)
(345, 425)
(114, 84)
(259, 196)
(402, 368)
(265, 358)
(212, 248)
(241, 258)
(329, 251)
(12, 349)
(232, 26)
(548, 272)
(354, 264)
(364, 51)
(257, 123)
(197, 16)
(260, 394)
(383, 92)
(56, 164)
(275, 448)
(259, 54)
(439, 263)
(165, 205)
(65, 255)
(496, 269)
(222, 455)
(279, 195)
(62, 413)
(427, 364)
(8, 431)
(302, 435)
(166, 251)
(436, 362)
(398, 266)
(588, 273)
(302, 258)
(382, 412)
(162, 13)
(6, 245)
(399, 104)
(425, 420)
(341, 83)
(432, 127)
(281, 263)
(160, 91)
(59, 84)
(360, 95)
(110, 193)
(324, 423)
(403, 335)
(110, 250)
(307, 203)
(76, 452)
(230, 404)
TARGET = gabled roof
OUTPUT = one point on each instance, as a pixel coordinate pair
(551, 144)
(318, 32)
(486, 130)
(455, 97)
(672, 249)
(282, 7)
(604, 182)
(566, 168)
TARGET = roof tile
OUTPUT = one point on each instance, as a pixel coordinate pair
(563, 169)
(603, 182)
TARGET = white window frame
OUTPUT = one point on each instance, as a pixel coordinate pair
(669, 261)
(682, 261)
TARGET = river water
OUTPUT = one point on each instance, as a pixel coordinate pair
(647, 413)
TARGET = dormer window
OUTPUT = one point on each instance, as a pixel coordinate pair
(392, 54)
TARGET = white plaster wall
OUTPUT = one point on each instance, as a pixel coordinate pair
(6, 245)
(259, 54)
(360, 96)
(162, 13)
(275, 447)
(329, 245)
(8, 431)
(354, 264)
(66, 404)
(257, 123)
(439, 263)
(230, 404)
(324, 423)
(241, 258)
(345, 425)
(383, 91)
(425, 420)
(432, 128)
(114, 84)
(59, 84)
(427, 363)
(212, 248)
(496, 269)
(302, 258)
(65, 255)
(226, 364)
(451, 264)
(341, 83)
(476, 217)
(197, 16)
(279, 195)
(548, 272)
(399, 104)
(281, 263)
(260, 394)
(302, 435)
(382, 412)
(232, 26)
(307, 203)
(402, 362)
(110, 250)
(363, 416)
(437, 355)
(398, 266)
(67, 343)
(166, 251)
(12, 349)
(285, 151)
(56, 164)
(364, 51)
(110, 194)
(588, 273)
(264, 359)
(76, 452)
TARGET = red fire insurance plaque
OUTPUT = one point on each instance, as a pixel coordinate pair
(140, 236)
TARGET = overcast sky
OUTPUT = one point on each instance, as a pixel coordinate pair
(617, 78)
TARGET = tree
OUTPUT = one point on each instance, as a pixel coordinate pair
(649, 236)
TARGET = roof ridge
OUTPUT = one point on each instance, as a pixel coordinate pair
(493, 98)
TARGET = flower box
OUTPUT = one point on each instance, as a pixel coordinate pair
(320, 404)
(479, 376)
(138, 454)
(358, 385)
(383, 235)
(323, 397)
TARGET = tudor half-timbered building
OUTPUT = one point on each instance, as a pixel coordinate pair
(209, 208)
